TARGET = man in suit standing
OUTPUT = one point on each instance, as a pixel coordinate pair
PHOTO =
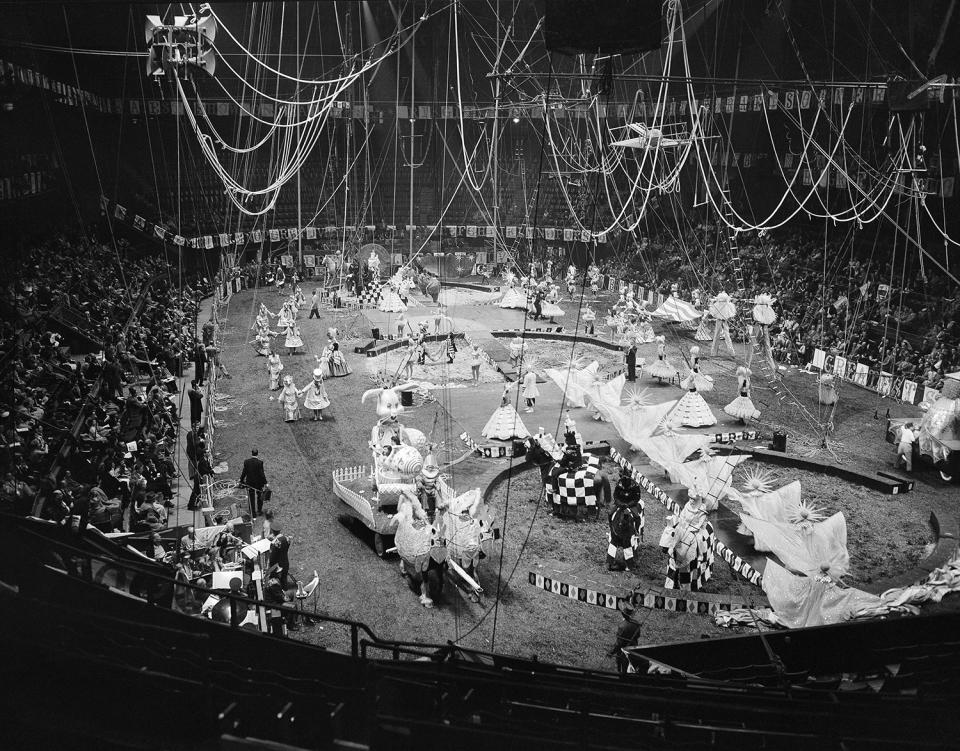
(255, 480)
(196, 403)
(199, 362)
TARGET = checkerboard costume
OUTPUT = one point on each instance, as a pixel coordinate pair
(695, 574)
(371, 295)
(567, 490)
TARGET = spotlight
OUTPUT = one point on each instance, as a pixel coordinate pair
(516, 119)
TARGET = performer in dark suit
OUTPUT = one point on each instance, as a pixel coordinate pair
(631, 358)
(199, 363)
(255, 480)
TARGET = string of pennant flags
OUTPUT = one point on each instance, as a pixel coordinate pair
(286, 234)
(889, 385)
(874, 94)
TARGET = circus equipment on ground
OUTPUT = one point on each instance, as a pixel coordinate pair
(505, 424)
(332, 356)
(289, 401)
(803, 538)
(722, 310)
(574, 485)
(765, 316)
(390, 301)
(692, 410)
(514, 296)
(742, 407)
(710, 475)
(688, 541)
(662, 369)
(635, 420)
(626, 521)
(573, 381)
(371, 494)
(703, 381)
(315, 395)
(677, 310)
(827, 392)
(939, 438)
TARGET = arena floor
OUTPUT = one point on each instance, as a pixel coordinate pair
(887, 533)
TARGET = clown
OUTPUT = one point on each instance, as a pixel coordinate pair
(289, 400)
(316, 396)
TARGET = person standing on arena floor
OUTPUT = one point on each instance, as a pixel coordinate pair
(314, 304)
(199, 362)
(589, 319)
(196, 403)
(905, 446)
(630, 359)
(255, 480)
(530, 391)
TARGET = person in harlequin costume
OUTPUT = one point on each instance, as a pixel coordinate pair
(289, 400)
(688, 544)
(451, 347)
(316, 395)
(626, 521)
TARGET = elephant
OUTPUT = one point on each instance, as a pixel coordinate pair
(429, 285)
(422, 553)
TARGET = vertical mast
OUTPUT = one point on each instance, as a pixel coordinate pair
(495, 143)
(413, 80)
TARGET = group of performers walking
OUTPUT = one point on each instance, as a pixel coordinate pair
(330, 361)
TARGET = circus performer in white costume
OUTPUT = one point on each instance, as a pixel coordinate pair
(373, 263)
(703, 381)
(742, 407)
(530, 392)
(662, 369)
(722, 310)
(262, 344)
(274, 368)
(292, 341)
(514, 297)
(692, 410)
(516, 350)
(571, 280)
(644, 331)
(390, 301)
(315, 395)
(550, 309)
(688, 545)
(505, 423)
(289, 400)
(827, 391)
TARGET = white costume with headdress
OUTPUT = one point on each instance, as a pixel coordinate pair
(692, 410)
(513, 297)
(293, 339)
(315, 394)
(289, 401)
(505, 423)
(274, 368)
(702, 380)
(332, 356)
(390, 301)
(661, 368)
(742, 407)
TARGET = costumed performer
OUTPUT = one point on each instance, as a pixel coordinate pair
(549, 308)
(516, 350)
(513, 297)
(293, 339)
(505, 423)
(704, 382)
(688, 545)
(692, 410)
(333, 357)
(589, 318)
(905, 442)
(827, 391)
(530, 391)
(626, 522)
(289, 400)
(742, 407)
(274, 368)
(315, 395)
(662, 369)
(475, 360)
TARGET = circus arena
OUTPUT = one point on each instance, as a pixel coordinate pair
(408, 374)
